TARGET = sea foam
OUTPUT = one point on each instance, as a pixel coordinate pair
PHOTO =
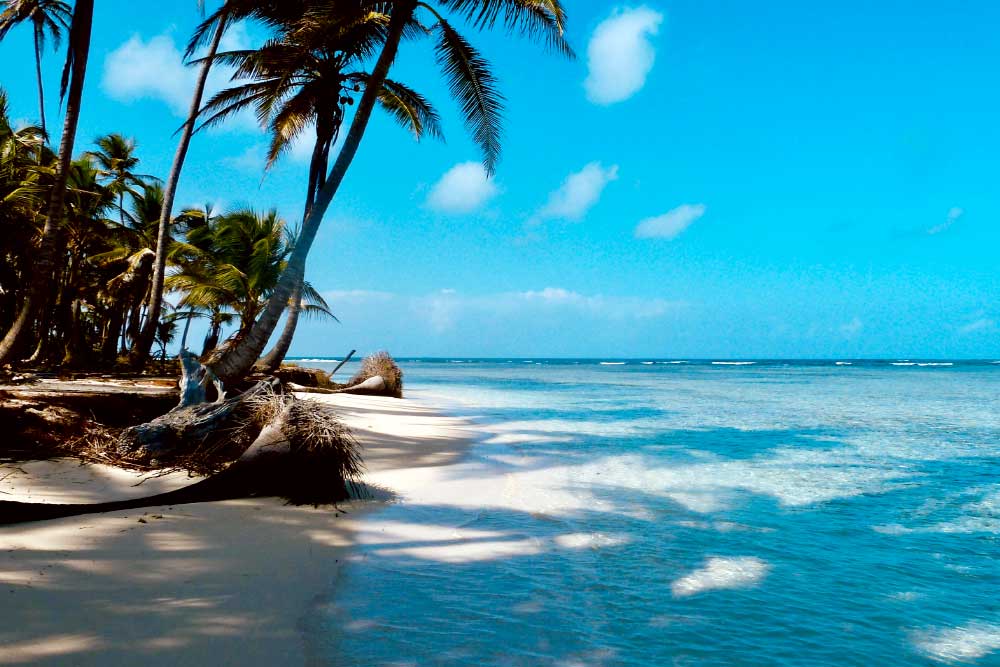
(721, 573)
(961, 644)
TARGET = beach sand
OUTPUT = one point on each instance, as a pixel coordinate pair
(225, 583)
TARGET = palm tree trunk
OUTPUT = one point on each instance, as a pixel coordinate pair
(44, 263)
(38, 76)
(232, 362)
(272, 360)
(141, 348)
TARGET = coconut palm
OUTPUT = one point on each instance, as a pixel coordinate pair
(469, 79)
(133, 242)
(307, 78)
(35, 301)
(48, 18)
(232, 262)
(116, 162)
(22, 191)
(140, 351)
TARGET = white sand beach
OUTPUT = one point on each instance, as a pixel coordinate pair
(223, 583)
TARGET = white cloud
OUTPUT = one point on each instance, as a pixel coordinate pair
(139, 69)
(251, 160)
(982, 324)
(462, 189)
(620, 54)
(445, 309)
(670, 224)
(954, 214)
(578, 193)
(852, 328)
(155, 69)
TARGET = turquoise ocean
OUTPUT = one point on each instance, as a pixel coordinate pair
(698, 512)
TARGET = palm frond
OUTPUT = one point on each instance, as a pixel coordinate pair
(472, 83)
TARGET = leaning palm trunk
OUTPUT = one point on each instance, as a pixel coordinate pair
(234, 359)
(141, 347)
(272, 360)
(36, 299)
(38, 77)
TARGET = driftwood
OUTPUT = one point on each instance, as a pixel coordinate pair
(184, 424)
(344, 361)
(304, 453)
(373, 385)
(195, 378)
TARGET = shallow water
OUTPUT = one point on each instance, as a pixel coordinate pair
(777, 513)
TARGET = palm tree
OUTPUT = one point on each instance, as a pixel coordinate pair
(307, 78)
(133, 242)
(47, 17)
(116, 161)
(21, 193)
(140, 350)
(470, 80)
(36, 300)
(232, 262)
(305, 300)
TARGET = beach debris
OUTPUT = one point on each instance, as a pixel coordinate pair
(378, 365)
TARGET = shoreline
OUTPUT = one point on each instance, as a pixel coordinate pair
(229, 582)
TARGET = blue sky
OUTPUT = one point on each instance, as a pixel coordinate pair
(706, 179)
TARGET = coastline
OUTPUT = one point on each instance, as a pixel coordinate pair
(210, 583)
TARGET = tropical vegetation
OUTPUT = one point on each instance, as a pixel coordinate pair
(96, 263)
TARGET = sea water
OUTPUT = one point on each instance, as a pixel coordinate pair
(680, 512)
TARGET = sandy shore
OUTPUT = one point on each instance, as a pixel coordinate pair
(224, 583)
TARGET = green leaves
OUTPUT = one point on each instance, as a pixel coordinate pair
(410, 109)
(472, 83)
(543, 20)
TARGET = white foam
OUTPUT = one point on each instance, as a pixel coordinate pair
(844, 363)
(671, 362)
(721, 573)
(905, 596)
(961, 644)
(904, 363)
(733, 363)
(936, 363)
(647, 363)
(612, 363)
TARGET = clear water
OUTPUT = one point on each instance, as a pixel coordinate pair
(779, 513)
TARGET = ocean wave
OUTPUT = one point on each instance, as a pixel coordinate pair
(612, 363)
(671, 362)
(733, 363)
(647, 363)
(904, 363)
(844, 363)
(936, 363)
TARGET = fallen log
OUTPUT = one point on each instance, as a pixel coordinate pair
(373, 385)
(302, 452)
(186, 425)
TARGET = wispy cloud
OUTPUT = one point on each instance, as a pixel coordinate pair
(357, 296)
(954, 215)
(445, 309)
(620, 54)
(852, 328)
(577, 195)
(981, 324)
(671, 224)
(462, 189)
